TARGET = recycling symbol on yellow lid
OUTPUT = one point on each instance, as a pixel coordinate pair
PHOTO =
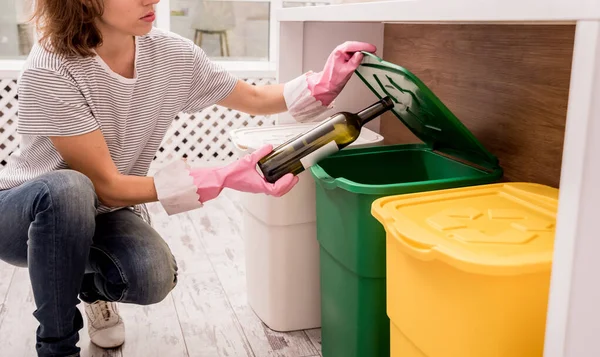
(470, 225)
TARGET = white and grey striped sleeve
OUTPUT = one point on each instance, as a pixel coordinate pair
(50, 104)
(210, 83)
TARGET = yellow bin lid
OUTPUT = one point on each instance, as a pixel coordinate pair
(496, 229)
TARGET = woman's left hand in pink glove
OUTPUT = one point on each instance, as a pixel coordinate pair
(313, 93)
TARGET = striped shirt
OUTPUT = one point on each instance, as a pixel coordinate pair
(66, 96)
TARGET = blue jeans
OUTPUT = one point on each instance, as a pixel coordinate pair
(50, 226)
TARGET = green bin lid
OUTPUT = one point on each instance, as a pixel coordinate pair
(423, 113)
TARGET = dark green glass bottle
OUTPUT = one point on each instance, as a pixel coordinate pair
(329, 136)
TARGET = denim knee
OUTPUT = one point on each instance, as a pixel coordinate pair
(152, 283)
(72, 197)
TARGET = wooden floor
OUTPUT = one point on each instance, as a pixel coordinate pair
(206, 315)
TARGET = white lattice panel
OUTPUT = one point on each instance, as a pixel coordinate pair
(8, 118)
(204, 136)
(199, 137)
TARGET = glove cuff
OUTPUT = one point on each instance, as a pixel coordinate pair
(175, 188)
(300, 101)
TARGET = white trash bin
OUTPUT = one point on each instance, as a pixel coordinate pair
(282, 252)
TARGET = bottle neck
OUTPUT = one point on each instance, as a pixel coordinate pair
(375, 110)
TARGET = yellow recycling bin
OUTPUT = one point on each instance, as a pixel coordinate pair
(469, 269)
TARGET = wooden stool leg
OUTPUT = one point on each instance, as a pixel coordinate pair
(221, 42)
(226, 43)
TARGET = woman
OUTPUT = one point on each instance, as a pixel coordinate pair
(96, 97)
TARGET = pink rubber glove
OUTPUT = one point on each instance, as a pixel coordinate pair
(180, 188)
(241, 175)
(325, 86)
(311, 94)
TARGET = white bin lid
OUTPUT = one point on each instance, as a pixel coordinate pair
(255, 137)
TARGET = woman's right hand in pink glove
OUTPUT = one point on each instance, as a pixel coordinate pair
(242, 175)
(181, 189)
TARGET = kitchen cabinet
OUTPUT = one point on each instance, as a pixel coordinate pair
(307, 36)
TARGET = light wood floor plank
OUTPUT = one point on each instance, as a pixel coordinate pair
(156, 323)
(315, 337)
(218, 225)
(7, 272)
(210, 327)
(17, 332)
(88, 349)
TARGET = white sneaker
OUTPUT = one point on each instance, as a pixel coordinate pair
(105, 326)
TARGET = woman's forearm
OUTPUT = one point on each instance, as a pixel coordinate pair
(126, 190)
(89, 154)
(269, 100)
(256, 100)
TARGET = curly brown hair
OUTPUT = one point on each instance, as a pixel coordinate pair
(67, 27)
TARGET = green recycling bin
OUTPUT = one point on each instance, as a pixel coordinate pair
(354, 322)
